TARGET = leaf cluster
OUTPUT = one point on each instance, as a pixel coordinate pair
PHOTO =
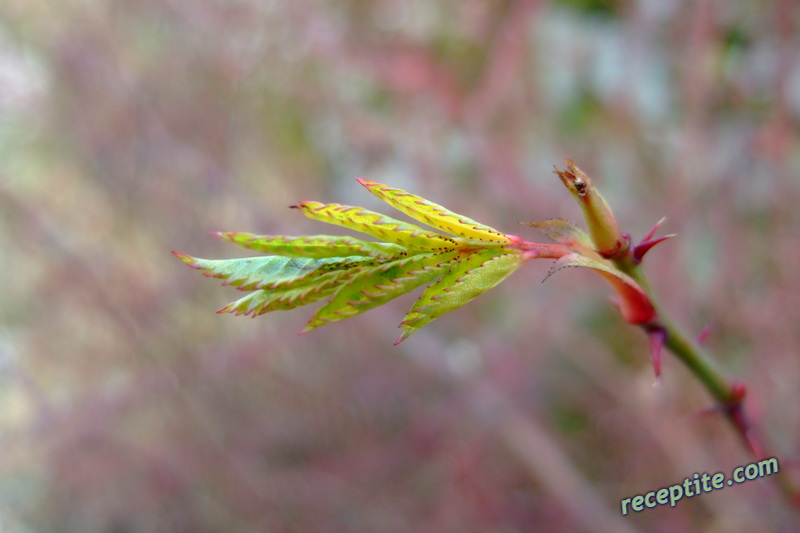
(459, 259)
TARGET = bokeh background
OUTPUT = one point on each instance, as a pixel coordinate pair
(129, 128)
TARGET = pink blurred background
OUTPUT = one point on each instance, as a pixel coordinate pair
(129, 128)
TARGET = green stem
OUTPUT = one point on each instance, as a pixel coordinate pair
(697, 359)
(729, 395)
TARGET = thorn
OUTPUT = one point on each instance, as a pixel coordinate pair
(657, 337)
(734, 411)
(739, 419)
(738, 392)
(653, 230)
(294, 207)
(706, 331)
(643, 247)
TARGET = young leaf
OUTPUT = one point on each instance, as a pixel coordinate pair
(272, 272)
(378, 225)
(316, 246)
(467, 278)
(357, 275)
(434, 215)
(375, 286)
(262, 301)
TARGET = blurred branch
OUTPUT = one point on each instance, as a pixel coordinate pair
(546, 462)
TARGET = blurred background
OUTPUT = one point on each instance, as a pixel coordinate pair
(130, 128)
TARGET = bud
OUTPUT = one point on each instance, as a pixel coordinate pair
(603, 228)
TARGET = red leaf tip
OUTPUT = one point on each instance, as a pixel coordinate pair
(188, 259)
(400, 338)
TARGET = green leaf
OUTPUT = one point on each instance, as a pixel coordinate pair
(434, 215)
(262, 301)
(273, 272)
(375, 286)
(468, 277)
(378, 225)
(316, 246)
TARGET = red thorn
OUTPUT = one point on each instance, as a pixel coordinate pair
(737, 416)
(703, 335)
(653, 230)
(738, 392)
(657, 338)
(734, 409)
(294, 207)
(643, 247)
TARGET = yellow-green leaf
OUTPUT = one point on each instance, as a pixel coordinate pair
(435, 215)
(377, 285)
(262, 301)
(467, 278)
(378, 225)
(316, 246)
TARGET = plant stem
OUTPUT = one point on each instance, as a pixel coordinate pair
(684, 347)
(615, 246)
(729, 395)
(698, 361)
